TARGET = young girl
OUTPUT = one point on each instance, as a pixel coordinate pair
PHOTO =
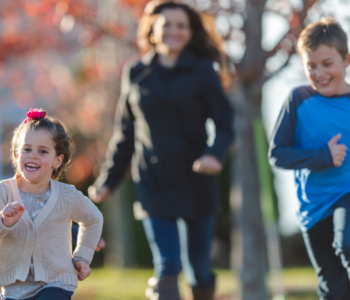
(37, 213)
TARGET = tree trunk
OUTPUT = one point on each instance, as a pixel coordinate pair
(249, 254)
(119, 227)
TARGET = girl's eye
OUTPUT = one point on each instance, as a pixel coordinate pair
(26, 149)
(43, 151)
(328, 64)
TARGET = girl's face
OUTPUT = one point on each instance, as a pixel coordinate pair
(172, 31)
(36, 156)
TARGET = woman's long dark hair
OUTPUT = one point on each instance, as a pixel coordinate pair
(201, 43)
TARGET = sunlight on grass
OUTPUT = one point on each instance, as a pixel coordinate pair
(108, 284)
(130, 284)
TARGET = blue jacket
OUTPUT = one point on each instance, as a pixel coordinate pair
(160, 127)
(299, 141)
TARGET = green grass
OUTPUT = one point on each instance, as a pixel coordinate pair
(130, 284)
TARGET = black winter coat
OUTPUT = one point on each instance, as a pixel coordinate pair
(160, 126)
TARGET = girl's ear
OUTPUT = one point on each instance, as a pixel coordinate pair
(59, 160)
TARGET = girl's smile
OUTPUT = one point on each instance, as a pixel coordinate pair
(31, 166)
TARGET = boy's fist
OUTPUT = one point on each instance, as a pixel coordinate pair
(83, 269)
(11, 213)
(338, 151)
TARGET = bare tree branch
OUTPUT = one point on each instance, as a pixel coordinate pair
(302, 14)
(253, 61)
(278, 46)
(282, 67)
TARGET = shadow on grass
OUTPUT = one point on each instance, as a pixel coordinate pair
(130, 284)
(293, 295)
(304, 295)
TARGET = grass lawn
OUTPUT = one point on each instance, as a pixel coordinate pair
(130, 284)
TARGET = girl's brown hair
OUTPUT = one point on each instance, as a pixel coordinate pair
(62, 140)
(204, 43)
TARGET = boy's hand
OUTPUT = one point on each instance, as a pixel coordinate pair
(12, 213)
(207, 164)
(82, 269)
(338, 151)
(99, 195)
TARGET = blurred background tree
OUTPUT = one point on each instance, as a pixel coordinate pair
(241, 24)
(66, 57)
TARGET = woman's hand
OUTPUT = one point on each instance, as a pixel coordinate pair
(207, 164)
(82, 269)
(99, 195)
(12, 213)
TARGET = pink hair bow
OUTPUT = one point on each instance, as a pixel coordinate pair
(34, 114)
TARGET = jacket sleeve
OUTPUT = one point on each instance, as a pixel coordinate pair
(283, 153)
(90, 221)
(218, 109)
(121, 146)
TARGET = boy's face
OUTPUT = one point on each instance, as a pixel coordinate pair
(325, 70)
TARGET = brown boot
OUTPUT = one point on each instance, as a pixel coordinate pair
(203, 294)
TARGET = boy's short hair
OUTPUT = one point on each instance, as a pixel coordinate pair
(327, 32)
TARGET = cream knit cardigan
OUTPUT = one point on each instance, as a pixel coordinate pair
(48, 238)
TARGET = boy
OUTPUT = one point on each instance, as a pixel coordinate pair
(311, 136)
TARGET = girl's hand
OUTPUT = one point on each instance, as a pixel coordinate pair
(99, 195)
(82, 269)
(11, 213)
(207, 164)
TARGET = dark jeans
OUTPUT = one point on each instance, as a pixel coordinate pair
(328, 246)
(51, 294)
(187, 242)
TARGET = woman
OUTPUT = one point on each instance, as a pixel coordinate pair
(166, 98)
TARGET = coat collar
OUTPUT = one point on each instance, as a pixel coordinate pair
(151, 81)
(186, 59)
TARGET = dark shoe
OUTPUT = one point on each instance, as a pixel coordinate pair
(164, 288)
(203, 294)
